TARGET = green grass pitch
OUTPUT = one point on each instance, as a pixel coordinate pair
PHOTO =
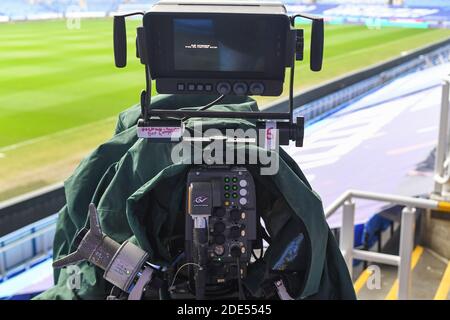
(59, 89)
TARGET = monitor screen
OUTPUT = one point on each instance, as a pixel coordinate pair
(219, 45)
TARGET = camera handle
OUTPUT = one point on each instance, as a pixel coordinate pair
(120, 57)
(126, 265)
(316, 59)
(317, 36)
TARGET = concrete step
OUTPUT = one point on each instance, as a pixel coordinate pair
(368, 287)
(443, 292)
(430, 279)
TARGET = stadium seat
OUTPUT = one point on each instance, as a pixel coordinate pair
(427, 3)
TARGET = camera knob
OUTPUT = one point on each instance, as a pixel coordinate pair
(235, 251)
(219, 212)
(235, 215)
(219, 250)
(235, 232)
(223, 88)
(256, 88)
(240, 88)
(219, 227)
(219, 239)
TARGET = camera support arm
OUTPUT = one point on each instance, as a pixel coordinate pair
(120, 55)
(317, 36)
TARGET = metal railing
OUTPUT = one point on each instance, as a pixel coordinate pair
(441, 192)
(24, 210)
(442, 164)
(20, 250)
(403, 260)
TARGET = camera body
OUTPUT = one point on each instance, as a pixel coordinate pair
(227, 49)
(218, 49)
(221, 203)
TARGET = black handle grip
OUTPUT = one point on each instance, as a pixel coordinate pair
(120, 42)
(317, 45)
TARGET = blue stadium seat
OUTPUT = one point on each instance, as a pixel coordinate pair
(24, 8)
(427, 3)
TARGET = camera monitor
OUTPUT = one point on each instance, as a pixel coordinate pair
(232, 48)
(219, 48)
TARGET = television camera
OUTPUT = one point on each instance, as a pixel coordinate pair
(217, 49)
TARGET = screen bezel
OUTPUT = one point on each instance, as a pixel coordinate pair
(160, 43)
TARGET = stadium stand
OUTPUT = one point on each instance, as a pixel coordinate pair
(377, 2)
(53, 9)
(407, 13)
(378, 13)
(427, 3)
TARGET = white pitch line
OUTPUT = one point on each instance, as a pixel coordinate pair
(423, 106)
(427, 129)
(378, 135)
(51, 135)
(317, 164)
(400, 151)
